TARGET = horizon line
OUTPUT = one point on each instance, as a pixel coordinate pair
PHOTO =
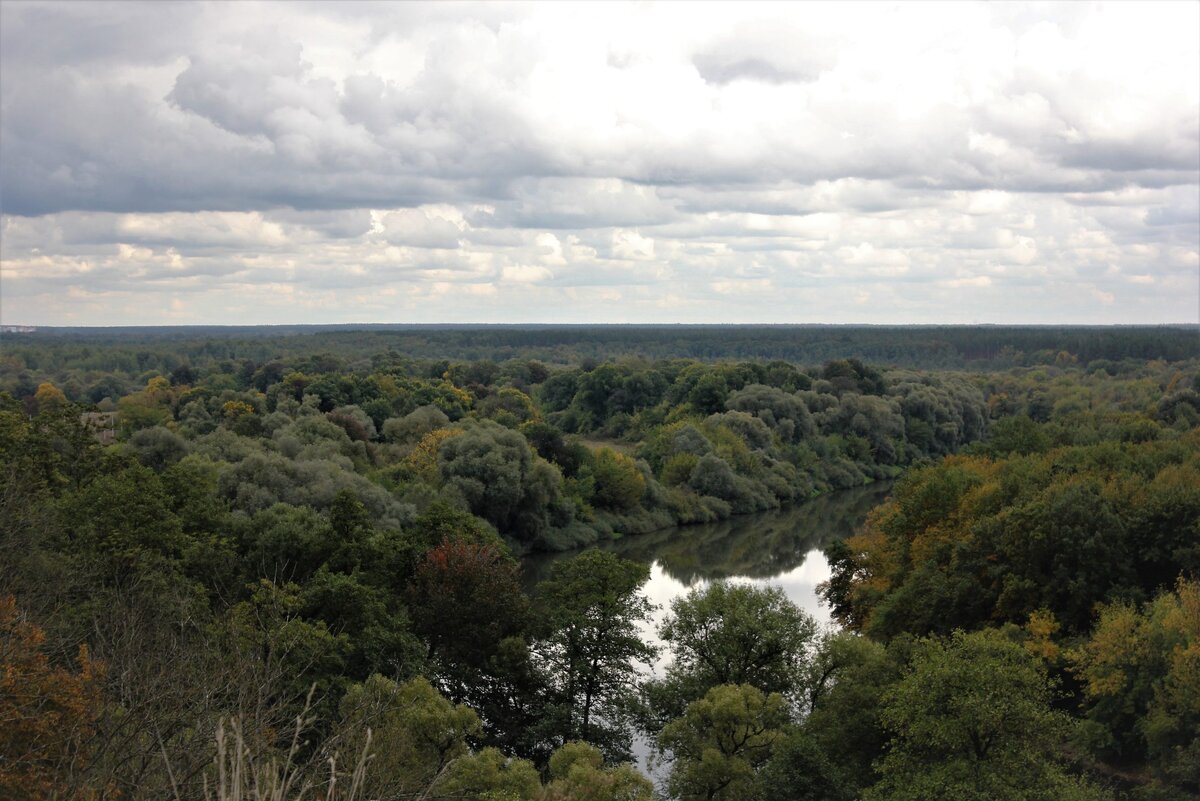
(4, 327)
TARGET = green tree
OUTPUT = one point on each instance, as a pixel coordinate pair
(268, 632)
(721, 743)
(415, 734)
(783, 412)
(286, 542)
(1016, 435)
(708, 394)
(972, 719)
(158, 447)
(372, 619)
(510, 407)
(503, 481)
(799, 769)
(1141, 674)
(464, 599)
(488, 775)
(148, 407)
(731, 634)
(123, 519)
(577, 773)
(589, 610)
(416, 424)
(845, 683)
(549, 443)
(350, 527)
(619, 484)
(441, 522)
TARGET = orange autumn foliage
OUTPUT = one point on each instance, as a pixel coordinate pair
(47, 714)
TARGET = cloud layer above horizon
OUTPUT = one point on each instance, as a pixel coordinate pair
(365, 162)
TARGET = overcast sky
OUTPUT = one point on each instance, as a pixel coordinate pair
(368, 162)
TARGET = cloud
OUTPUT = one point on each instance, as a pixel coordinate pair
(770, 51)
(621, 161)
(561, 202)
(419, 228)
(632, 245)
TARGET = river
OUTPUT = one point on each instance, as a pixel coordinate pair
(780, 548)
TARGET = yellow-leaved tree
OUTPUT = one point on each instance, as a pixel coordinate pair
(47, 714)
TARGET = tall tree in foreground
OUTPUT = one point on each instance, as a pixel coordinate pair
(467, 605)
(719, 745)
(590, 609)
(464, 599)
(731, 634)
(577, 773)
(412, 732)
(972, 721)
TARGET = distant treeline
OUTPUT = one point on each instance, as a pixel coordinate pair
(974, 347)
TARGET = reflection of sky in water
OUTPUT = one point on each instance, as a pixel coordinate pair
(778, 548)
(770, 549)
(799, 584)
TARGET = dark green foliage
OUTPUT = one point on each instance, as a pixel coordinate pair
(550, 444)
(378, 636)
(123, 517)
(971, 542)
(268, 629)
(721, 743)
(1016, 435)
(286, 543)
(853, 375)
(972, 719)
(284, 512)
(503, 481)
(441, 522)
(731, 634)
(414, 425)
(299, 420)
(799, 770)
(588, 612)
(138, 349)
(158, 447)
(845, 684)
(783, 412)
(465, 599)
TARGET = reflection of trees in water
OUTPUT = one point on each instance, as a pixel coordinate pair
(761, 545)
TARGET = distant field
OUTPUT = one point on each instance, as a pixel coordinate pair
(627, 448)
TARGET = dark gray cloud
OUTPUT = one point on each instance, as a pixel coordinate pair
(645, 162)
(54, 35)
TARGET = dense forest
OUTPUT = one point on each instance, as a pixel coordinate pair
(164, 348)
(286, 564)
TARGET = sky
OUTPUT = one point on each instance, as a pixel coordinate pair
(243, 163)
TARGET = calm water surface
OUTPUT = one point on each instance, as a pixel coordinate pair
(781, 548)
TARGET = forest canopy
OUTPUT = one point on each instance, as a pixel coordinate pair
(300, 555)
